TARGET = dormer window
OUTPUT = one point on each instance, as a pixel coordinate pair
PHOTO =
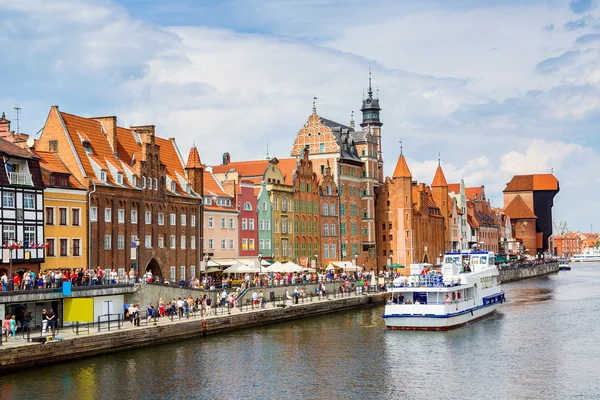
(134, 180)
(103, 176)
(208, 201)
(188, 188)
(120, 178)
(173, 187)
(87, 147)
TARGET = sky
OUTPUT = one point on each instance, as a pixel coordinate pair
(498, 88)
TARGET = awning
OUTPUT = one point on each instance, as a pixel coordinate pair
(395, 265)
(212, 270)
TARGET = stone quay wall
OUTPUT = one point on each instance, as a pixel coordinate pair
(31, 355)
(517, 274)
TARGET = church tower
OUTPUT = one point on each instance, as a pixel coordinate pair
(371, 123)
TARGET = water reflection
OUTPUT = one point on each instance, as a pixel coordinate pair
(541, 344)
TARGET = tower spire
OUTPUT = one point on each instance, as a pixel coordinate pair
(370, 89)
(352, 119)
(400, 146)
(314, 111)
(439, 159)
(268, 157)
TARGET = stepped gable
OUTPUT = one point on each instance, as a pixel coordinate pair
(517, 209)
(401, 170)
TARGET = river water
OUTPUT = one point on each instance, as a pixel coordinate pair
(544, 343)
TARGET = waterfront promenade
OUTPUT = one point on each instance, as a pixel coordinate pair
(97, 339)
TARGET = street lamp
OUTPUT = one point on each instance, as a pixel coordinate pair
(260, 256)
(137, 255)
(316, 264)
(11, 277)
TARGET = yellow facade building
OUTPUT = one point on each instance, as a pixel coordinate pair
(65, 215)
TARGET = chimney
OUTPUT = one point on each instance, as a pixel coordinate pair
(145, 132)
(5, 132)
(109, 127)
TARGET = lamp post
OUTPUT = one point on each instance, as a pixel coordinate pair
(137, 255)
(11, 277)
(206, 258)
(316, 264)
(260, 257)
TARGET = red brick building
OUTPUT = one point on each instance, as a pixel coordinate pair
(138, 188)
(330, 241)
(248, 224)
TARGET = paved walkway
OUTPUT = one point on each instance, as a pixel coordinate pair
(68, 332)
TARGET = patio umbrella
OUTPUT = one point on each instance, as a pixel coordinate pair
(212, 270)
(395, 266)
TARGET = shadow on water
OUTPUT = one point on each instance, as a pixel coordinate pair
(528, 295)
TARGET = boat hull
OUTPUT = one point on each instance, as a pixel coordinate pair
(439, 322)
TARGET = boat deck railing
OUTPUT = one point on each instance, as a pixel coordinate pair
(429, 280)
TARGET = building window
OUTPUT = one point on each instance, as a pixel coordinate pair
(93, 213)
(161, 241)
(120, 178)
(49, 215)
(193, 222)
(120, 242)
(267, 225)
(264, 206)
(193, 242)
(325, 251)
(231, 223)
(148, 217)
(244, 244)
(8, 199)
(161, 218)
(247, 206)
(172, 272)
(267, 244)
(28, 235)
(183, 220)
(75, 220)
(143, 182)
(107, 242)
(223, 244)
(261, 224)
(76, 247)
(332, 209)
(251, 224)
(50, 247)
(211, 244)
(223, 223)
(155, 184)
(28, 201)
(64, 247)
(332, 229)
(326, 230)
(251, 244)
(183, 240)
(172, 219)
(62, 216)
(261, 244)
(103, 176)
(325, 209)
(107, 215)
(231, 244)
(173, 186)
(148, 241)
(211, 222)
(134, 216)
(8, 233)
(173, 242)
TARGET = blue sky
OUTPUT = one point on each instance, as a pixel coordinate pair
(497, 87)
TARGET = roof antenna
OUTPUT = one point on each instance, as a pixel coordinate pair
(17, 108)
(314, 104)
(400, 146)
(377, 89)
(370, 90)
(439, 159)
(552, 170)
(352, 119)
(268, 157)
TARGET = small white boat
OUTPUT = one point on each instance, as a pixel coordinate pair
(564, 265)
(466, 290)
(588, 255)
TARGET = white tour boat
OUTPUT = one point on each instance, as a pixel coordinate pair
(588, 255)
(467, 289)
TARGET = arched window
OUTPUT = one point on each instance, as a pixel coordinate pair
(247, 206)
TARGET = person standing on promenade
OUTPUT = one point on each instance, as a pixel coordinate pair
(207, 303)
(149, 312)
(6, 327)
(261, 299)
(223, 298)
(254, 299)
(126, 310)
(13, 327)
(4, 282)
(44, 321)
(51, 317)
(180, 307)
(161, 307)
(131, 313)
(138, 315)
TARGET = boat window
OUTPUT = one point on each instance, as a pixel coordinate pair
(484, 259)
(492, 260)
(475, 260)
(452, 260)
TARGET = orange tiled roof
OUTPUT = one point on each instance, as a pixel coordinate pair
(439, 179)
(212, 186)
(401, 170)
(475, 193)
(52, 163)
(518, 209)
(520, 183)
(287, 167)
(244, 168)
(454, 187)
(193, 158)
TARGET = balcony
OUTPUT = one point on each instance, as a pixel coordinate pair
(20, 178)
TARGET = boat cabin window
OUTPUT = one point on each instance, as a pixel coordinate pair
(483, 259)
(420, 296)
(475, 260)
(452, 260)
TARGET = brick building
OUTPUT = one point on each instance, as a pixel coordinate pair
(528, 200)
(139, 189)
(410, 225)
(330, 241)
(248, 224)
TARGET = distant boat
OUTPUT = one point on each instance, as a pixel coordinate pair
(467, 289)
(588, 255)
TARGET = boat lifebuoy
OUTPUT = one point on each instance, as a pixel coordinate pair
(453, 295)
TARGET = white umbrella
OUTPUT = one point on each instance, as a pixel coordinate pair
(291, 267)
(330, 267)
(275, 267)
